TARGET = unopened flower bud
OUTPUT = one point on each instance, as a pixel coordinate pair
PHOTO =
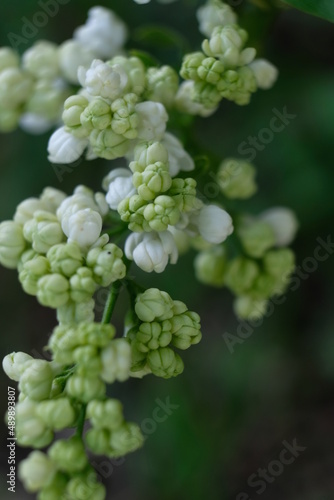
(36, 471)
(165, 363)
(36, 380)
(12, 243)
(68, 455)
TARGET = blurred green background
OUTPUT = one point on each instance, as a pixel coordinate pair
(233, 410)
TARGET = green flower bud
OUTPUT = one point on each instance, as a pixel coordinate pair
(125, 119)
(43, 231)
(30, 429)
(36, 471)
(279, 263)
(263, 287)
(226, 43)
(131, 210)
(9, 58)
(36, 380)
(85, 487)
(9, 119)
(13, 364)
(41, 60)
(162, 85)
(88, 361)
(165, 363)
(107, 264)
(65, 258)
(73, 107)
(105, 414)
(82, 284)
(135, 71)
(69, 455)
(15, 87)
(154, 180)
(206, 94)
(183, 192)
(85, 388)
(125, 439)
(97, 440)
(237, 85)
(153, 305)
(211, 70)
(138, 358)
(12, 243)
(47, 100)
(97, 115)
(153, 335)
(210, 266)
(26, 209)
(53, 290)
(162, 213)
(190, 65)
(236, 179)
(249, 309)
(148, 153)
(256, 238)
(73, 312)
(57, 414)
(241, 274)
(31, 272)
(106, 144)
(54, 490)
(116, 361)
(186, 330)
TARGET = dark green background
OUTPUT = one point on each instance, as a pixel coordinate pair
(234, 409)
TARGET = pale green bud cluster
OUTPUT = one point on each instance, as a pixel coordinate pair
(110, 434)
(256, 237)
(236, 179)
(160, 200)
(210, 266)
(51, 246)
(161, 85)
(161, 323)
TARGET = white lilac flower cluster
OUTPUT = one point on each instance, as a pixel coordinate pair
(33, 88)
(263, 266)
(225, 68)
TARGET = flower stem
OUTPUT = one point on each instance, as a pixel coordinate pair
(111, 302)
(81, 421)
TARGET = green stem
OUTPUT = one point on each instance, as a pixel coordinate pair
(111, 302)
(81, 421)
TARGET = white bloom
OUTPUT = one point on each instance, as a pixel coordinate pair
(84, 227)
(184, 101)
(13, 364)
(265, 73)
(214, 13)
(283, 222)
(34, 123)
(72, 55)
(151, 251)
(178, 157)
(104, 33)
(214, 224)
(63, 147)
(152, 120)
(103, 80)
(120, 187)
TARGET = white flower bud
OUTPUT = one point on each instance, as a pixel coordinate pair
(214, 224)
(103, 33)
(36, 379)
(13, 364)
(178, 157)
(152, 120)
(52, 197)
(26, 209)
(265, 73)
(63, 147)
(283, 222)
(35, 124)
(151, 251)
(9, 58)
(42, 60)
(214, 13)
(84, 227)
(116, 361)
(103, 80)
(120, 187)
(72, 55)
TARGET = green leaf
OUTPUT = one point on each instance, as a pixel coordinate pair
(160, 36)
(320, 8)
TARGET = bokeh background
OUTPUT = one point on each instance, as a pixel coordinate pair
(234, 410)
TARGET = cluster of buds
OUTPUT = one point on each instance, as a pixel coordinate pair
(161, 323)
(225, 68)
(264, 263)
(33, 89)
(55, 243)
